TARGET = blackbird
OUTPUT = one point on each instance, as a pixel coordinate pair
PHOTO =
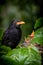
(12, 35)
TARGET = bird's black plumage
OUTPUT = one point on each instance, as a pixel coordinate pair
(12, 35)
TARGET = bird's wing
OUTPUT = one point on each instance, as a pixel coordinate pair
(13, 33)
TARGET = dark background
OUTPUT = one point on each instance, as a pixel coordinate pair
(26, 10)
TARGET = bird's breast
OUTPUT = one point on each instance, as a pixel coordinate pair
(15, 35)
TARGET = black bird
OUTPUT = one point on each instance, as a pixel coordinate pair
(12, 35)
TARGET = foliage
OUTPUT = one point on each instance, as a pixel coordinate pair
(4, 50)
(22, 56)
(39, 23)
(38, 35)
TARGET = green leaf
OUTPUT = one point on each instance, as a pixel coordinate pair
(4, 49)
(22, 56)
(38, 37)
(38, 23)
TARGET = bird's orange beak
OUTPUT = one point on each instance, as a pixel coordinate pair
(21, 22)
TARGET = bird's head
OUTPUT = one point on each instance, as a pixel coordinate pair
(17, 23)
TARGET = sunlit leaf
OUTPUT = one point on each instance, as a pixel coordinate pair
(38, 37)
(22, 56)
(32, 35)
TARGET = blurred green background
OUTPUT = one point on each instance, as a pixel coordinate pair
(26, 10)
